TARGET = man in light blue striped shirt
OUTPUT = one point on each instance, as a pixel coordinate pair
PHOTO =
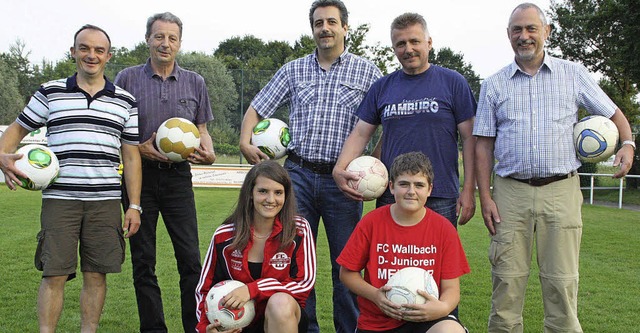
(525, 123)
(323, 91)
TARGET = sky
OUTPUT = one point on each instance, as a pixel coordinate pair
(477, 29)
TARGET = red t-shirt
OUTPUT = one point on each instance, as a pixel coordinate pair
(381, 247)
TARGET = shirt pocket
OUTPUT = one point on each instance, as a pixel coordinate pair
(187, 108)
(306, 93)
(350, 95)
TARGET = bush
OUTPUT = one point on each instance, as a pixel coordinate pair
(226, 149)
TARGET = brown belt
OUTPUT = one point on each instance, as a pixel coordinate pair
(546, 180)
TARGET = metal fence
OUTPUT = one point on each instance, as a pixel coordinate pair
(592, 186)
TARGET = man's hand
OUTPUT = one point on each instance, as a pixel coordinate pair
(342, 178)
(490, 214)
(202, 156)
(466, 205)
(149, 151)
(252, 154)
(11, 173)
(131, 222)
(624, 159)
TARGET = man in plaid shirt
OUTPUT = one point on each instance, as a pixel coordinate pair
(322, 91)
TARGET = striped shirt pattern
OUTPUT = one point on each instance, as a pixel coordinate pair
(182, 94)
(532, 117)
(86, 134)
(322, 104)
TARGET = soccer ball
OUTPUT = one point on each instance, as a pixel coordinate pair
(374, 177)
(177, 138)
(228, 318)
(595, 138)
(272, 137)
(405, 283)
(40, 165)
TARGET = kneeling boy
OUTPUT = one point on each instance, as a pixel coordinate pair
(388, 238)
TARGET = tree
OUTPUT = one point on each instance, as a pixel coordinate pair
(603, 35)
(446, 57)
(18, 59)
(221, 89)
(10, 98)
(122, 58)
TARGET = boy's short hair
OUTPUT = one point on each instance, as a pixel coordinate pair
(414, 162)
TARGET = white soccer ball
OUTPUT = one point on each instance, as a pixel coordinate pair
(405, 283)
(177, 138)
(272, 137)
(374, 177)
(228, 318)
(595, 138)
(40, 165)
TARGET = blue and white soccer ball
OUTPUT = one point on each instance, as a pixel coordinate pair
(595, 138)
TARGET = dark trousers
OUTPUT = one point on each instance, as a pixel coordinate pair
(168, 192)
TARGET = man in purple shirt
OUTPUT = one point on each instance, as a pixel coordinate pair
(164, 90)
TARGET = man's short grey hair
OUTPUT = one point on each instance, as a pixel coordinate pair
(527, 5)
(167, 17)
(407, 20)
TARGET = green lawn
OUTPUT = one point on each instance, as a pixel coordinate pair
(608, 289)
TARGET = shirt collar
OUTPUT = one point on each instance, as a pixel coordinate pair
(175, 73)
(547, 64)
(343, 57)
(72, 84)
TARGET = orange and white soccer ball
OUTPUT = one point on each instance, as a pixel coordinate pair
(405, 283)
(374, 177)
(177, 138)
(228, 318)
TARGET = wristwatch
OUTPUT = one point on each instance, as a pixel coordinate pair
(630, 143)
(136, 207)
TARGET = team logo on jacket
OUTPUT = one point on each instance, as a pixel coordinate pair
(280, 261)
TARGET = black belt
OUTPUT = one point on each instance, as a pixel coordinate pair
(149, 164)
(546, 180)
(321, 168)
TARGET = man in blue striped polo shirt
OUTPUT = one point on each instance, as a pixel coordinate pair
(90, 124)
(322, 91)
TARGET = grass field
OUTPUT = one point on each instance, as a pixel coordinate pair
(608, 299)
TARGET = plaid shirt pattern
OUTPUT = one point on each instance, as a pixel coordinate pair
(322, 104)
(532, 117)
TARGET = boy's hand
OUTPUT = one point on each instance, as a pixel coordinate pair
(431, 310)
(389, 308)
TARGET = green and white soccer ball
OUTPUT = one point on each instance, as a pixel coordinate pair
(373, 174)
(40, 165)
(272, 137)
(177, 138)
(405, 283)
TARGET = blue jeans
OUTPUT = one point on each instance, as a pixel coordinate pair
(318, 196)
